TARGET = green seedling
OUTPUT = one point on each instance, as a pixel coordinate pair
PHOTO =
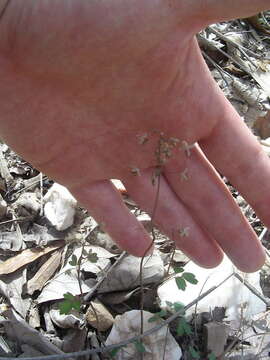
(181, 281)
(70, 302)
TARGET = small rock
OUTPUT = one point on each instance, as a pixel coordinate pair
(98, 316)
(59, 207)
(126, 274)
(74, 319)
(129, 324)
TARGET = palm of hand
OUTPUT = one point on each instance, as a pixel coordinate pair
(89, 103)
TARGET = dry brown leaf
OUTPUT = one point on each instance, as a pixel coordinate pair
(45, 272)
(99, 316)
(27, 256)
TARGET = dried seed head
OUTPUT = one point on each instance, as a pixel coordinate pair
(184, 176)
(135, 171)
(184, 232)
(142, 139)
(186, 147)
(174, 141)
(156, 173)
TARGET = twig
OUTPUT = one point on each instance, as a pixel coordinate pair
(242, 67)
(196, 307)
(241, 48)
(16, 220)
(171, 260)
(252, 289)
(79, 265)
(98, 284)
(219, 68)
(149, 247)
(78, 269)
(166, 340)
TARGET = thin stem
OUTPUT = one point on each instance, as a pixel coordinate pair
(16, 220)
(149, 247)
(166, 339)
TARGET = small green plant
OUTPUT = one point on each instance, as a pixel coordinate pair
(157, 316)
(183, 328)
(92, 257)
(73, 261)
(193, 352)
(181, 281)
(139, 346)
(70, 302)
(114, 351)
(211, 357)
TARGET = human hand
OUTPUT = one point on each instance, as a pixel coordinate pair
(81, 85)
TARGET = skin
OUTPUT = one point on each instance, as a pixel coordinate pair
(83, 81)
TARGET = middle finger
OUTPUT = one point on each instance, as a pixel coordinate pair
(172, 217)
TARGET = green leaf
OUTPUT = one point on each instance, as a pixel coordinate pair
(178, 306)
(180, 331)
(194, 353)
(84, 253)
(211, 356)
(139, 346)
(190, 277)
(157, 316)
(70, 302)
(114, 351)
(178, 269)
(77, 305)
(69, 296)
(181, 283)
(187, 327)
(183, 328)
(73, 261)
(92, 257)
(65, 307)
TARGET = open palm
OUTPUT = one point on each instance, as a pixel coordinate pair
(90, 89)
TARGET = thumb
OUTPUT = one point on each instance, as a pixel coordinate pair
(212, 11)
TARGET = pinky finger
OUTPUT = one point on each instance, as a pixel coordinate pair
(105, 204)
